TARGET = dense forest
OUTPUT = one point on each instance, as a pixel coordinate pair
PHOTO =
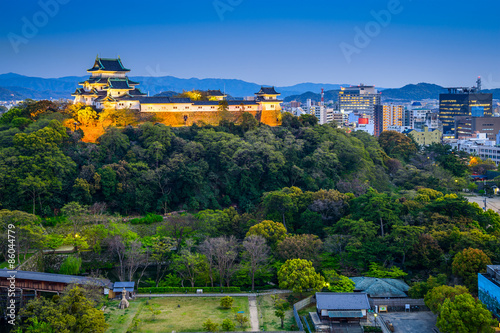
(156, 204)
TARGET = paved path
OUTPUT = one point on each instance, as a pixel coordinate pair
(254, 315)
(274, 292)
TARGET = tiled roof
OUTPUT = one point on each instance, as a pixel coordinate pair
(118, 84)
(112, 65)
(267, 91)
(342, 301)
(376, 287)
(49, 277)
(215, 93)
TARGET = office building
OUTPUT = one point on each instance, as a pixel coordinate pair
(465, 127)
(360, 98)
(463, 102)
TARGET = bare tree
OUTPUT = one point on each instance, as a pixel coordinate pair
(117, 247)
(224, 252)
(135, 256)
(257, 254)
(208, 250)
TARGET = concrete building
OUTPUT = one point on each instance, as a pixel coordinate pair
(489, 289)
(463, 102)
(360, 98)
(425, 137)
(478, 145)
(467, 126)
(387, 115)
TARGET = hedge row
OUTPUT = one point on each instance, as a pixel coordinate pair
(148, 219)
(160, 290)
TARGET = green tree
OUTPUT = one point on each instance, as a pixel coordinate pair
(379, 271)
(464, 314)
(468, 263)
(280, 308)
(299, 275)
(241, 319)
(210, 326)
(397, 145)
(71, 265)
(338, 283)
(226, 302)
(228, 325)
(436, 296)
(73, 312)
(272, 231)
(279, 203)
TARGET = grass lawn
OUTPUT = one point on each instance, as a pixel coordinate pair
(120, 320)
(267, 320)
(189, 317)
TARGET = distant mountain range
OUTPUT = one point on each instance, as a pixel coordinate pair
(410, 92)
(16, 87)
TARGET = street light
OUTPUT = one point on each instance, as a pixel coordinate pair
(375, 315)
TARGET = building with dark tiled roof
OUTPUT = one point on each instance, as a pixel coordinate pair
(109, 87)
(342, 307)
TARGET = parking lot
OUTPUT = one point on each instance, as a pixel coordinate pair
(411, 322)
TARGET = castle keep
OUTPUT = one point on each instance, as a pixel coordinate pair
(109, 87)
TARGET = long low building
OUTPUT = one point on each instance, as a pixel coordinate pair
(46, 282)
(109, 87)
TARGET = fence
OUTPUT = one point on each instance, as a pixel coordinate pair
(399, 304)
(297, 319)
(299, 306)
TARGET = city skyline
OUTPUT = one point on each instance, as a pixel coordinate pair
(385, 43)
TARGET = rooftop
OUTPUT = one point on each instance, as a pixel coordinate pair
(49, 277)
(376, 287)
(267, 91)
(342, 301)
(108, 65)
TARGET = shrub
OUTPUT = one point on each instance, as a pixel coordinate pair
(226, 302)
(71, 265)
(210, 326)
(228, 325)
(148, 219)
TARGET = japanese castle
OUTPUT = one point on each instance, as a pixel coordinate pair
(109, 87)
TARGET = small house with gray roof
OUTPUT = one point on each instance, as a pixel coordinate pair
(342, 307)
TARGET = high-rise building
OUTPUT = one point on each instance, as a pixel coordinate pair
(361, 98)
(387, 115)
(463, 102)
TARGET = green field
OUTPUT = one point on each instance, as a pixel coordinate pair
(267, 320)
(180, 314)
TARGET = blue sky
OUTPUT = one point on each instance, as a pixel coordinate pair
(268, 42)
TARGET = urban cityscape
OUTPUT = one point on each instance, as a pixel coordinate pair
(236, 166)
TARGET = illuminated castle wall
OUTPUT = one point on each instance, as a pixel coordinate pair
(109, 87)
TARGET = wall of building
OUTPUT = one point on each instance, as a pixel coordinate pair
(489, 294)
(188, 118)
